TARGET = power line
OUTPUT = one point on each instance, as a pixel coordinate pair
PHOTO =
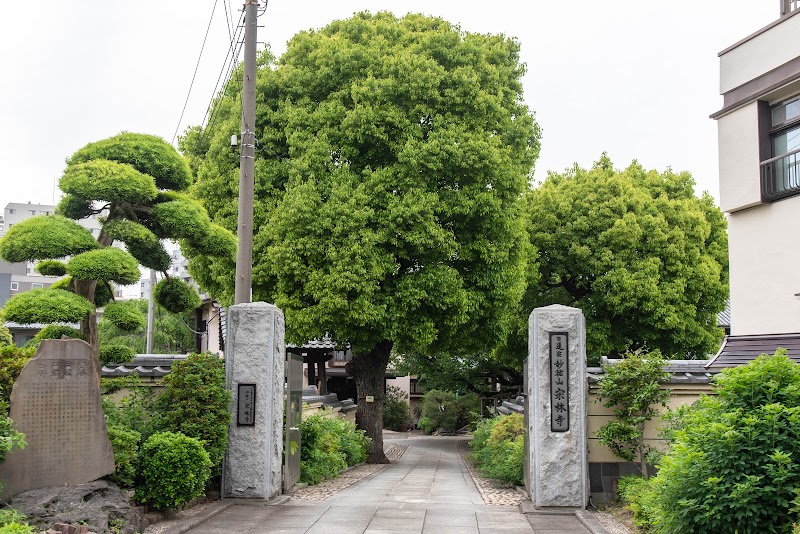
(197, 66)
(228, 67)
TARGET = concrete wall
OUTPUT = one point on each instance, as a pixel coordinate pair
(682, 394)
(763, 268)
(763, 52)
(739, 178)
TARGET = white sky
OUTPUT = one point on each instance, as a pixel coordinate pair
(636, 79)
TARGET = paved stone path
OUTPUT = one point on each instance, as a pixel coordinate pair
(428, 491)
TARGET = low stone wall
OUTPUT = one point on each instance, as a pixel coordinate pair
(688, 380)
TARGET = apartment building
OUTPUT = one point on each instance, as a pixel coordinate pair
(759, 180)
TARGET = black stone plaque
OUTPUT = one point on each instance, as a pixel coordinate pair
(246, 405)
(559, 382)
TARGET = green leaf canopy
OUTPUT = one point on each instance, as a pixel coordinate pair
(45, 237)
(642, 256)
(124, 315)
(108, 181)
(147, 154)
(393, 154)
(46, 305)
(142, 244)
(176, 296)
(107, 264)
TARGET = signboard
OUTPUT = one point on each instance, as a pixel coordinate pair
(370, 398)
(246, 405)
(559, 382)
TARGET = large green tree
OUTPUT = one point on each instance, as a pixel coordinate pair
(392, 157)
(636, 250)
(133, 181)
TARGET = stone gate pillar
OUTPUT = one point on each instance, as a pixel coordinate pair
(557, 461)
(254, 372)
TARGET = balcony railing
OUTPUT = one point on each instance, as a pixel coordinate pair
(787, 6)
(780, 176)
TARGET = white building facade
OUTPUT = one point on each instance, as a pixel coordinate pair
(759, 167)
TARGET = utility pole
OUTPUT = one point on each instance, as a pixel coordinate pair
(244, 255)
(150, 313)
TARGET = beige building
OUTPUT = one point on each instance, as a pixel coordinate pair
(759, 167)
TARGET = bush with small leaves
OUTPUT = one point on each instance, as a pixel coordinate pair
(195, 402)
(148, 154)
(16, 528)
(734, 462)
(9, 438)
(125, 444)
(108, 264)
(124, 315)
(51, 268)
(173, 469)
(321, 457)
(47, 305)
(12, 360)
(5, 336)
(499, 448)
(395, 409)
(176, 296)
(112, 353)
(45, 237)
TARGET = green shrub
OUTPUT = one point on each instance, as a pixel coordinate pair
(125, 444)
(353, 442)
(425, 425)
(16, 528)
(196, 403)
(9, 515)
(5, 336)
(12, 360)
(638, 496)
(632, 389)
(734, 463)
(329, 445)
(498, 446)
(395, 409)
(113, 353)
(9, 438)
(125, 315)
(446, 410)
(173, 470)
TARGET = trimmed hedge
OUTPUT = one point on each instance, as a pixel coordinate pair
(174, 470)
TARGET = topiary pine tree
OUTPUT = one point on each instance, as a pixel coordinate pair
(133, 181)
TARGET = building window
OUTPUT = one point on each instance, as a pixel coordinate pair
(11, 210)
(36, 285)
(14, 286)
(780, 174)
(32, 212)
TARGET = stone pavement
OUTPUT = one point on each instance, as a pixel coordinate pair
(428, 491)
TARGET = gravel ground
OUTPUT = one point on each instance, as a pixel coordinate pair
(611, 523)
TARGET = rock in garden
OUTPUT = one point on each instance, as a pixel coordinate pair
(99, 505)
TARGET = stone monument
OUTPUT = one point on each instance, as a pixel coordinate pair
(254, 372)
(557, 463)
(55, 402)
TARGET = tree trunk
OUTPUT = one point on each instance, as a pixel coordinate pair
(86, 289)
(642, 458)
(369, 370)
